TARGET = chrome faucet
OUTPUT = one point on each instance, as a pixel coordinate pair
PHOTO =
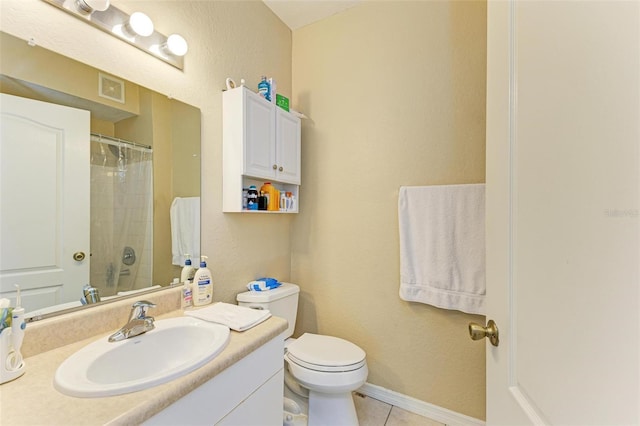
(138, 322)
(90, 295)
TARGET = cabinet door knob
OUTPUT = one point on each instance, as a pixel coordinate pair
(275, 167)
(280, 169)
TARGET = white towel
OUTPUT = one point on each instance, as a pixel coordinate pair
(185, 230)
(238, 318)
(442, 251)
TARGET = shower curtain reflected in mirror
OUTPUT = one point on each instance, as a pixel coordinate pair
(121, 216)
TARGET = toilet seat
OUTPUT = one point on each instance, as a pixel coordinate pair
(325, 353)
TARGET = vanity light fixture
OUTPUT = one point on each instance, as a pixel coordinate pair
(137, 29)
(140, 24)
(90, 6)
(177, 45)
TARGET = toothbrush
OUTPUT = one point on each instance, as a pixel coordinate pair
(17, 329)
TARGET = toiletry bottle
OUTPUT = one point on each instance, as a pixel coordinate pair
(187, 294)
(266, 189)
(202, 284)
(188, 271)
(272, 90)
(283, 201)
(252, 198)
(275, 204)
(263, 201)
(272, 194)
(245, 198)
(264, 89)
(288, 201)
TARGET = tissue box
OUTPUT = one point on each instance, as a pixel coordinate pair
(282, 102)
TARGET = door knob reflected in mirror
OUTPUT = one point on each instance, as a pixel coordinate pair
(78, 256)
(477, 332)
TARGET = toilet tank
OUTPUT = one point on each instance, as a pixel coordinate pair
(281, 302)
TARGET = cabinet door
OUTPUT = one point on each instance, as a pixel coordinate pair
(259, 152)
(288, 147)
(262, 408)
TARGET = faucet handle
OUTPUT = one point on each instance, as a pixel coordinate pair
(139, 309)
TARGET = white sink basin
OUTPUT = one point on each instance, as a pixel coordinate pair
(175, 347)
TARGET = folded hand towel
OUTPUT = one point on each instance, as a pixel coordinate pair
(442, 251)
(238, 318)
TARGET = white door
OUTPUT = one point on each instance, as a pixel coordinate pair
(563, 218)
(44, 193)
(288, 146)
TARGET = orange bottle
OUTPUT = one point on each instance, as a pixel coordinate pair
(273, 194)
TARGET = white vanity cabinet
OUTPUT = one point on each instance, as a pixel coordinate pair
(261, 143)
(247, 393)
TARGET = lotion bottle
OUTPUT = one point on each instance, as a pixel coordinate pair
(202, 284)
(186, 278)
(188, 271)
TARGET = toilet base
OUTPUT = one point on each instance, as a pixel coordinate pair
(337, 409)
(293, 414)
(296, 408)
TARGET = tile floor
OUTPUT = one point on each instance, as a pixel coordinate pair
(372, 412)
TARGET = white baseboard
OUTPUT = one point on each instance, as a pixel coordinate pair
(416, 406)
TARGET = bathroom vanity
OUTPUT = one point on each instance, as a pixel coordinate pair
(242, 385)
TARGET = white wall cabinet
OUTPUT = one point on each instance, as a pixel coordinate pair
(247, 393)
(261, 143)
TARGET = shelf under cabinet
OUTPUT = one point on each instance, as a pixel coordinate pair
(235, 205)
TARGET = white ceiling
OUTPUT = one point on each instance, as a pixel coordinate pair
(298, 13)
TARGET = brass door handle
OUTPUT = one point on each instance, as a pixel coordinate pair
(78, 256)
(477, 332)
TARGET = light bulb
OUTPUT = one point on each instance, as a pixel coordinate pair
(90, 6)
(177, 45)
(141, 24)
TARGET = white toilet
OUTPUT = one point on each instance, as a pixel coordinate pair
(323, 369)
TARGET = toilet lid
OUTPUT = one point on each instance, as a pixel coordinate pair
(325, 353)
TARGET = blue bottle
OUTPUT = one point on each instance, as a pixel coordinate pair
(264, 89)
(252, 198)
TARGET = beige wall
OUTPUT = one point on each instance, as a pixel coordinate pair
(395, 92)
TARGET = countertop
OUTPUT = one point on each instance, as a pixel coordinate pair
(32, 399)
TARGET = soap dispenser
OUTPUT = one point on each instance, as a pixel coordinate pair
(12, 365)
(188, 271)
(202, 284)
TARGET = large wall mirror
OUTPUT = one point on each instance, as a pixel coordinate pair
(134, 169)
